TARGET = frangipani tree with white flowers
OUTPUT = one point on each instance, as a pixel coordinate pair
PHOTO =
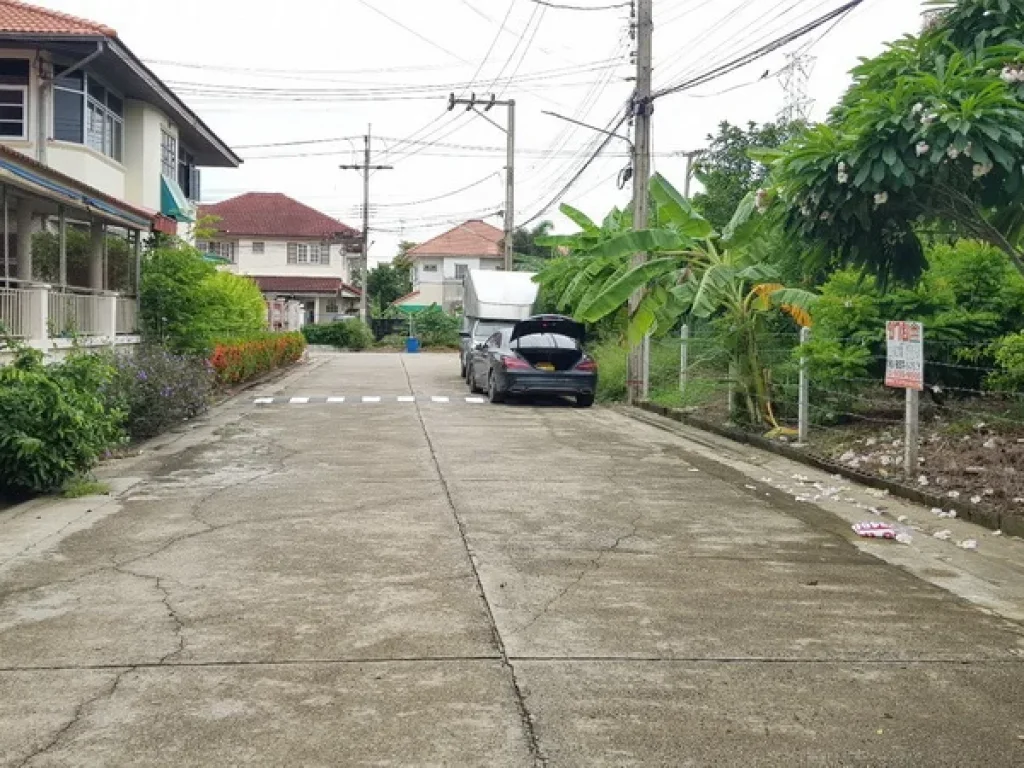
(930, 135)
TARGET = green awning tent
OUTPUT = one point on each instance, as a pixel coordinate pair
(213, 258)
(173, 203)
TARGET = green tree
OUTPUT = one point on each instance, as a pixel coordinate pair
(388, 282)
(930, 135)
(187, 303)
(728, 172)
(529, 254)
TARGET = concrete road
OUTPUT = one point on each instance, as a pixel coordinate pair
(432, 581)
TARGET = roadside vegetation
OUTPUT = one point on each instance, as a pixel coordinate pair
(907, 203)
(204, 332)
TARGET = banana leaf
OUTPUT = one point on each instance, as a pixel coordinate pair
(618, 292)
(675, 209)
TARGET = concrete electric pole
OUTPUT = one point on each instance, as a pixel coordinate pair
(642, 107)
(510, 167)
(365, 167)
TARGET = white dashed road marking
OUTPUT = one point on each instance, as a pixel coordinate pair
(353, 399)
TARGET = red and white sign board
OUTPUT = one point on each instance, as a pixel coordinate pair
(904, 362)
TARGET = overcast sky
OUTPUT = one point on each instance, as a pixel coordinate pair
(321, 70)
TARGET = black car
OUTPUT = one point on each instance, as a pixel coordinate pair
(542, 355)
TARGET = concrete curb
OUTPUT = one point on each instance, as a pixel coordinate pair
(1011, 525)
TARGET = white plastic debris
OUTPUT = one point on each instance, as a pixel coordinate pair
(874, 530)
(750, 487)
(922, 480)
(904, 538)
(954, 494)
(975, 499)
(969, 544)
(951, 513)
(997, 533)
(938, 512)
(847, 457)
(944, 535)
(990, 443)
(902, 519)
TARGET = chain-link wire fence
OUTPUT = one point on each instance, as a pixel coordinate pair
(970, 435)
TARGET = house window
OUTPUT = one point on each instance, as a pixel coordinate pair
(430, 267)
(188, 174)
(258, 247)
(225, 250)
(13, 98)
(461, 270)
(168, 155)
(87, 112)
(309, 253)
(331, 307)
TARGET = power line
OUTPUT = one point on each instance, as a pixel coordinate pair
(759, 52)
(413, 32)
(562, 7)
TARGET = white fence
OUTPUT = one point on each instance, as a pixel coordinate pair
(40, 314)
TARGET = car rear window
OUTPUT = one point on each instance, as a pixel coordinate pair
(484, 330)
(546, 341)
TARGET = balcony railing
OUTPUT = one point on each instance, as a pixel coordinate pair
(40, 313)
(15, 305)
(452, 295)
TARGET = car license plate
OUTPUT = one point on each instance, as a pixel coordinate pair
(545, 366)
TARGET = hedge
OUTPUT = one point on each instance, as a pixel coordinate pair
(239, 360)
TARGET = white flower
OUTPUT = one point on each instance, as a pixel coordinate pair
(918, 108)
(1008, 75)
(929, 118)
(842, 167)
(842, 177)
(881, 198)
(952, 152)
(825, 216)
(981, 169)
(921, 148)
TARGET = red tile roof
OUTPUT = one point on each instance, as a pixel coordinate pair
(271, 214)
(22, 18)
(473, 238)
(287, 284)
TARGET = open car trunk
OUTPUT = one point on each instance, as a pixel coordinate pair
(548, 351)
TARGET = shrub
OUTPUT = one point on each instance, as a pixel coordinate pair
(436, 328)
(187, 303)
(238, 360)
(157, 389)
(344, 334)
(1009, 354)
(392, 341)
(54, 422)
(611, 357)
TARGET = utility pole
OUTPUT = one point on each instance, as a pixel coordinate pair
(365, 168)
(510, 167)
(642, 107)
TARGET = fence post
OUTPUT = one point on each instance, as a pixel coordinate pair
(684, 357)
(804, 406)
(911, 438)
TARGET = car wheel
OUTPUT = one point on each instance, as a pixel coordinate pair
(492, 390)
(584, 401)
(462, 367)
(471, 382)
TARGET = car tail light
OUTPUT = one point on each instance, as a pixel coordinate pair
(587, 364)
(513, 363)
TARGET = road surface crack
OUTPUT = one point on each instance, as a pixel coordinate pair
(524, 714)
(77, 715)
(592, 566)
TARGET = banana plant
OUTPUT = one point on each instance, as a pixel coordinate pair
(691, 271)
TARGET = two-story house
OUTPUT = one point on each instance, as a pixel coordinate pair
(90, 139)
(440, 265)
(292, 251)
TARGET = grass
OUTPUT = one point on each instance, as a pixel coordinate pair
(81, 487)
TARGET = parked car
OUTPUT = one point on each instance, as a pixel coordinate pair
(479, 332)
(542, 355)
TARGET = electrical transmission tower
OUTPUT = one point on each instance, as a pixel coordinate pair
(795, 77)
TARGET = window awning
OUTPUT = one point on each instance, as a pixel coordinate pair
(173, 202)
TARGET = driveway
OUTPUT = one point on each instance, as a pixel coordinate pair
(360, 566)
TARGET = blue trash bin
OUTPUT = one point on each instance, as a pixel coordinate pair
(412, 345)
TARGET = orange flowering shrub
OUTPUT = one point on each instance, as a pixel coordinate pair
(239, 360)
